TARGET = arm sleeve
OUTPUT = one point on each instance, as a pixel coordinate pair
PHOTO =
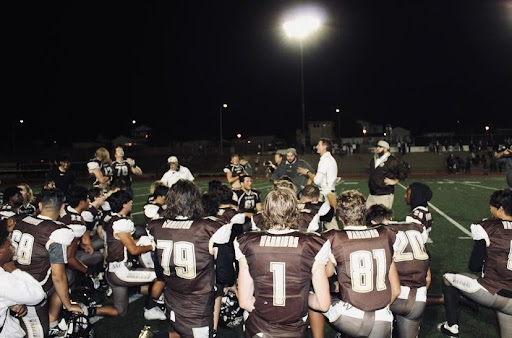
(20, 288)
(477, 259)
(224, 265)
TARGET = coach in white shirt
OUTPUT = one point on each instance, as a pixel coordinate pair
(176, 172)
(326, 176)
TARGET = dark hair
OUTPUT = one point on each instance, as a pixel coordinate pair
(52, 199)
(64, 157)
(4, 234)
(420, 194)
(210, 202)
(119, 183)
(327, 142)
(76, 194)
(378, 213)
(502, 198)
(184, 199)
(311, 191)
(118, 199)
(224, 194)
(214, 184)
(160, 190)
(94, 192)
(10, 192)
(242, 177)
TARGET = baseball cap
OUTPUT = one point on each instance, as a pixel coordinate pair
(172, 159)
(383, 144)
(292, 151)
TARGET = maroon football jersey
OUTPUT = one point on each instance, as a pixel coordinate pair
(363, 257)
(308, 210)
(423, 215)
(410, 257)
(30, 238)
(497, 272)
(225, 214)
(183, 251)
(116, 251)
(280, 264)
(73, 220)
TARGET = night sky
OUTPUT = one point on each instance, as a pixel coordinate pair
(95, 68)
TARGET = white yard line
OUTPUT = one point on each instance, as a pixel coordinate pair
(448, 218)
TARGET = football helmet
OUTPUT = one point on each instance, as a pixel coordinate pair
(73, 325)
(231, 315)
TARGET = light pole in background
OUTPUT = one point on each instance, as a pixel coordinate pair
(338, 114)
(221, 108)
(299, 27)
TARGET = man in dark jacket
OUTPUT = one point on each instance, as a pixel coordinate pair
(385, 172)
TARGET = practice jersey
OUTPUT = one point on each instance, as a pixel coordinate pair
(421, 215)
(34, 238)
(122, 171)
(184, 250)
(362, 257)
(410, 255)
(247, 201)
(497, 270)
(280, 263)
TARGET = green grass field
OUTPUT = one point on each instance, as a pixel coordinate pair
(457, 202)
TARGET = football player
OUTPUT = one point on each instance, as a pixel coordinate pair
(491, 259)
(367, 276)
(277, 268)
(413, 266)
(40, 243)
(233, 171)
(100, 168)
(417, 196)
(124, 169)
(186, 258)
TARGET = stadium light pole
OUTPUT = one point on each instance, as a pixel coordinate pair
(221, 108)
(338, 114)
(300, 27)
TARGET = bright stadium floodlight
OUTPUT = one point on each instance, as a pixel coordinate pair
(300, 24)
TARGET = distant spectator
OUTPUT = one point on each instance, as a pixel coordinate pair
(505, 157)
(62, 174)
(176, 172)
(290, 168)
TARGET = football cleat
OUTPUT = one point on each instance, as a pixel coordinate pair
(155, 313)
(450, 331)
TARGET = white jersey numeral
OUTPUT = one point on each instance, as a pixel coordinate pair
(184, 258)
(413, 238)
(279, 282)
(361, 270)
(24, 245)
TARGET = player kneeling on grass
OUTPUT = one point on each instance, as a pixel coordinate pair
(119, 272)
(186, 256)
(490, 256)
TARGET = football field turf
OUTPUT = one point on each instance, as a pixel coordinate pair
(457, 202)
